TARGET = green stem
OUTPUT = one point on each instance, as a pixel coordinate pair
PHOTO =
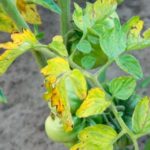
(11, 9)
(65, 16)
(124, 126)
(102, 70)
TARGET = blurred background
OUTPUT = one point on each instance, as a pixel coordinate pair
(22, 119)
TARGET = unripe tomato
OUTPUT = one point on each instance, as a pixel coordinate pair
(55, 131)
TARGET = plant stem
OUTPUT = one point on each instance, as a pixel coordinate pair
(11, 9)
(100, 72)
(65, 16)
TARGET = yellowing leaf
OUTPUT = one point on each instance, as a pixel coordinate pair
(21, 42)
(58, 46)
(66, 94)
(98, 137)
(93, 12)
(28, 11)
(6, 24)
(79, 83)
(135, 40)
(60, 100)
(141, 117)
(95, 103)
(56, 66)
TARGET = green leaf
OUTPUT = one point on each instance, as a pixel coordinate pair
(113, 42)
(135, 41)
(97, 11)
(141, 117)
(3, 98)
(95, 103)
(122, 87)
(147, 145)
(88, 62)
(131, 65)
(84, 46)
(97, 137)
(58, 46)
(49, 4)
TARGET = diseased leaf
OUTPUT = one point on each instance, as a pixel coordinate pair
(49, 4)
(21, 42)
(113, 42)
(95, 103)
(66, 94)
(133, 29)
(6, 24)
(141, 117)
(28, 11)
(79, 83)
(98, 137)
(3, 98)
(122, 87)
(56, 66)
(131, 65)
(92, 13)
(58, 46)
(84, 46)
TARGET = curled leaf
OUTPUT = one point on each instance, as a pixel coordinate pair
(95, 103)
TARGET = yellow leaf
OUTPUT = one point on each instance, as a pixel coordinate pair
(56, 66)
(29, 12)
(95, 103)
(18, 39)
(60, 100)
(6, 24)
(21, 42)
(96, 137)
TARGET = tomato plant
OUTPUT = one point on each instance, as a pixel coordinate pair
(88, 110)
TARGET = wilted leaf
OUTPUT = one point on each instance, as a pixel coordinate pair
(3, 98)
(95, 103)
(58, 46)
(49, 4)
(122, 87)
(98, 137)
(92, 13)
(28, 11)
(131, 65)
(113, 42)
(141, 117)
(133, 29)
(21, 42)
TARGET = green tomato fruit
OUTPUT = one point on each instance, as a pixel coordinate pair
(55, 131)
